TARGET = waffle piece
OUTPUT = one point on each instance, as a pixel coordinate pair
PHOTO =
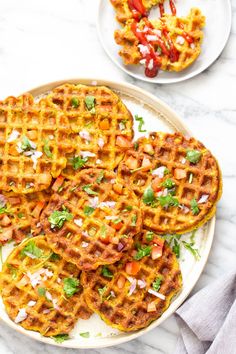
(102, 125)
(177, 180)
(33, 141)
(20, 215)
(130, 294)
(125, 13)
(169, 43)
(101, 216)
(32, 284)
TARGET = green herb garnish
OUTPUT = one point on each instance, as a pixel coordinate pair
(85, 334)
(100, 177)
(71, 286)
(26, 144)
(88, 210)
(12, 270)
(41, 291)
(193, 156)
(106, 272)
(75, 102)
(194, 251)
(54, 257)
(128, 208)
(176, 248)
(88, 190)
(148, 196)
(117, 221)
(90, 104)
(157, 283)
(194, 206)
(168, 183)
(46, 148)
(20, 215)
(133, 220)
(60, 338)
(57, 218)
(167, 201)
(149, 236)
(142, 252)
(78, 162)
(141, 123)
(136, 146)
(32, 251)
(101, 291)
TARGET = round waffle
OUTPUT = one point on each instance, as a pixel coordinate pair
(33, 142)
(102, 216)
(135, 291)
(102, 125)
(177, 180)
(175, 41)
(36, 291)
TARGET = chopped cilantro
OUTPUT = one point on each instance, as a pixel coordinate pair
(57, 218)
(32, 251)
(133, 220)
(26, 144)
(88, 210)
(149, 236)
(117, 221)
(157, 283)
(41, 291)
(60, 338)
(106, 272)
(168, 183)
(142, 252)
(194, 251)
(176, 248)
(103, 231)
(136, 146)
(101, 291)
(166, 171)
(46, 148)
(194, 206)
(128, 208)
(159, 50)
(88, 190)
(90, 104)
(85, 334)
(148, 196)
(3, 209)
(193, 156)
(167, 201)
(78, 162)
(141, 123)
(21, 215)
(12, 270)
(54, 257)
(70, 286)
(75, 102)
(100, 177)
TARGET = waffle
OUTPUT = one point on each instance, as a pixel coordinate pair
(93, 236)
(20, 215)
(124, 301)
(176, 42)
(176, 195)
(124, 13)
(101, 132)
(33, 142)
(50, 311)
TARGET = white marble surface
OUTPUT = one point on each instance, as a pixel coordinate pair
(43, 41)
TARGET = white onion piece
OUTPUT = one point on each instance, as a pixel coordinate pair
(203, 199)
(159, 171)
(155, 293)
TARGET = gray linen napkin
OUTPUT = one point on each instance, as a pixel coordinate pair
(207, 320)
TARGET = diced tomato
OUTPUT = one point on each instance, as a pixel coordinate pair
(131, 163)
(123, 142)
(14, 200)
(37, 210)
(6, 235)
(151, 307)
(148, 148)
(58, 183)
(156, 184)
(132, 268)
(117, 226)
(121, 281)
(32, 134)
(180, 173)
(118, 188)
(156, 252)
(5, 221)
(146, 163)
(104, 124)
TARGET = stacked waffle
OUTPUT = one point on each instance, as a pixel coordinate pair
(88, 209)
(167, 43)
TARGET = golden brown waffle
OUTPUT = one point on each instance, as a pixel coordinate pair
(101, 133)
(101, 224)
(123, 11)
(189, 198)
(33, 141)
(120, 293)
(32, 288)
(185, 33)
(20, 215)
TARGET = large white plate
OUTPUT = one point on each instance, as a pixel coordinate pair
(157, 116)
(216, 34)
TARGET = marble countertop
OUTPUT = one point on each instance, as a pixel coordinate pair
(46, 41)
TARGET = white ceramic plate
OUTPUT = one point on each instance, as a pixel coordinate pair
(157, 116)
(216, 34)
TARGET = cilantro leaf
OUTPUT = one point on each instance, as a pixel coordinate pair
(117, 221)
(193, 156)
(75, 102)
(85, 334)
(26, 144)
(134, 220)
(41, 291)
(167, 201)
(78, 162)
(128, 208)
(57, 218)
(168, 183)
(12, 270)
(101, 291)
(141, 123)
(142, 252)
(70, 286)
(148, 196)
(157, 283)
(136, 146)
(88, 210)
(194, 206)
(194, 251)
(88, 190)
(106, 272)
(90, 104)
(176, 248)
(3, 209)
(54, 257)
(46, 148)
(149, 236)
(32, 251)
(100, 177)
(59, 338)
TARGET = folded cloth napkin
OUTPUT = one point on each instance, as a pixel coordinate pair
(207, 321)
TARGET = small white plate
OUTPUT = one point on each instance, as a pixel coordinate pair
(216, 34)
(158, 117)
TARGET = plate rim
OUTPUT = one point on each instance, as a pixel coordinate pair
(171, 80)
(180, 126)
